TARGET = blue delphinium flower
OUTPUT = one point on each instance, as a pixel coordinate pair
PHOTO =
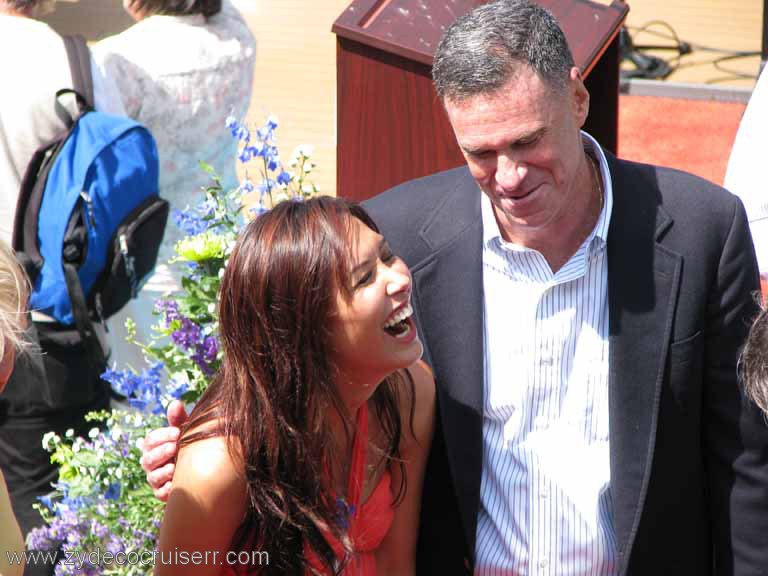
(210, 348)
(284, 178)
(112, 492)
(243, 134)
(232, 123)
(246, 187)
(144, 390)
(188, 335)
(266, 185)
(177, 388)
(191, 224)
(169, 309)
(205, 354)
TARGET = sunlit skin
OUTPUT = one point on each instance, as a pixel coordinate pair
(361, 349)
(523, 146)
(136, 14)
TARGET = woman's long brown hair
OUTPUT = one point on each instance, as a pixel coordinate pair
(274, 391)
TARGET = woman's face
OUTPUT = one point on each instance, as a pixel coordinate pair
(372, 332)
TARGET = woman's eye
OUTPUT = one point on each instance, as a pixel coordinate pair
(364, 279)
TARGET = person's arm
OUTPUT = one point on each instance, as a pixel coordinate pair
(396, 556)
(205, 508)
(11, 541)
(158, 451)
(735, 434)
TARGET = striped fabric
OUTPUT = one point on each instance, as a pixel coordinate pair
(545, 492)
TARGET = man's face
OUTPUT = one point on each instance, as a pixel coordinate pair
(523, 146)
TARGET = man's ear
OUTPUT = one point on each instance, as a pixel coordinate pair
(579, 96)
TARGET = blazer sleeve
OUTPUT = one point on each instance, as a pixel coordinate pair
(734, 431)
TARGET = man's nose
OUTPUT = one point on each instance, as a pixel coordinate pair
(510, 172)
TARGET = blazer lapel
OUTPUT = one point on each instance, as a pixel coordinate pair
(451, 279)
(643, 280)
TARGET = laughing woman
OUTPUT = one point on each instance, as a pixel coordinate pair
(306, 455)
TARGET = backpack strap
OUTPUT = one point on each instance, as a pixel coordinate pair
(92, 333)
(80, 64)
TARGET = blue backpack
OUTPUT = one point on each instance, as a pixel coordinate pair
(89, 222)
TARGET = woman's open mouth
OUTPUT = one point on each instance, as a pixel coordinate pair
(400, 324)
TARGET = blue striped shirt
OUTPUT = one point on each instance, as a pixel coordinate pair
(546, 505)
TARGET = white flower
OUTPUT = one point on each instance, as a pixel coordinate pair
(49, 440)
(70, 433)
(281, 197)
(93, 433)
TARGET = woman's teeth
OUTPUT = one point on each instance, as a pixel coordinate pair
(406, 312)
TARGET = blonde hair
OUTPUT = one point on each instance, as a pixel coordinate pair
(14, 292)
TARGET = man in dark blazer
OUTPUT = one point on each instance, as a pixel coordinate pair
(683, 479)
(688, 455)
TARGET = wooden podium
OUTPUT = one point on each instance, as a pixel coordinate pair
(391, 125)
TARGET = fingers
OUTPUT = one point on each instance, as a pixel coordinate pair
(163, 492)
(160, 479)
(158, 448)
(177, 415)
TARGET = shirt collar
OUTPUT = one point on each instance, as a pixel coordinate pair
(492, 234)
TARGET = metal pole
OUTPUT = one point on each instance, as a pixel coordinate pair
(764, 56)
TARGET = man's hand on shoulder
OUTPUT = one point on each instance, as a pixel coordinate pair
(159, 449)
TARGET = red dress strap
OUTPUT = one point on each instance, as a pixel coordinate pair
(359, 455)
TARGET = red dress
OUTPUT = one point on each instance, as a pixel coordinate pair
(368, 523)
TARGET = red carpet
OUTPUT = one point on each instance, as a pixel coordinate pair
(692, 135)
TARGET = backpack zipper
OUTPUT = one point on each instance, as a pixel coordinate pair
(89, 207)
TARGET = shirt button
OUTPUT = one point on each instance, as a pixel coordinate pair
(547, 361)
(545, 492)
(543, 563)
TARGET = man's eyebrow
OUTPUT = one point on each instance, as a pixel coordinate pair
(535, 135)
(523, 139)
(367, 262)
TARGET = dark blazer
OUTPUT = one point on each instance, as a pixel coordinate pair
(688, 455)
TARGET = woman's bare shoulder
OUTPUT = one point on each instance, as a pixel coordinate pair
(423, 384)
(423, 401)
(207, 467)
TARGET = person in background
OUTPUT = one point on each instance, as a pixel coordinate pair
(583, 316)
(311, 442)
(754, 361)
(14, 291)
(744, 175)
(181, 70)
(33, 67)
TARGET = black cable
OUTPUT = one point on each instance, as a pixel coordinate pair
(683, 48)
(645, 28)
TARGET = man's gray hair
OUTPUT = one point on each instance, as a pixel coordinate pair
(483, 49)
